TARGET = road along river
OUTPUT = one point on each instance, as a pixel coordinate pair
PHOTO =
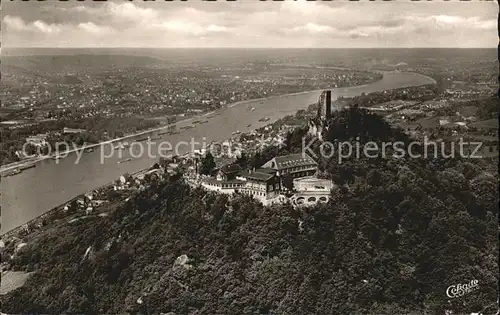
(37, 190)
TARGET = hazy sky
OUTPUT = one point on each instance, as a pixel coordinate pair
(249, 23)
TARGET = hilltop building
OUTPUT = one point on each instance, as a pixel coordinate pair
(311, 190)
(296, 165)
(263, 183)
(228, 172)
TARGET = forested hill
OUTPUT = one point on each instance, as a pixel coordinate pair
(395, 235)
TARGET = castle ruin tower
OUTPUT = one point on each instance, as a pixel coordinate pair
(328, 105)
(320, 122)
(325, 105)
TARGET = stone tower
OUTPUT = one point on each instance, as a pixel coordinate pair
(318, 124)
(325, 104)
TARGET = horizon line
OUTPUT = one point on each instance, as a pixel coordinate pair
(189, 47)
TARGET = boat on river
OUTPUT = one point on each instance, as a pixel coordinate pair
(147, 139)
(13, 173)
(25, 167)
(171, 130)
(153, 138)
(122, 146)
(125, 160)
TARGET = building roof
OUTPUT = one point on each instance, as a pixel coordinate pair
(486, 124)
(293, 160)
(266, 170)
(256, 175)
(212, 180)
(230, 168)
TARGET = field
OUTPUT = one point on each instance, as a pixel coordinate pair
(12, 280)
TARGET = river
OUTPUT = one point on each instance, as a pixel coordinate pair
(37, 190)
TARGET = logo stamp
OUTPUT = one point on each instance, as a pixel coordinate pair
(458, 290)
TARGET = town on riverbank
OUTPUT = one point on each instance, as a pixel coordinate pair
(55, 107)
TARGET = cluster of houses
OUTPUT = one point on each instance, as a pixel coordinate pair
(37, 140)
(86, 203)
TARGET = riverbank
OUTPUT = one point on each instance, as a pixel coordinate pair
(15, 165)
(37, 221)
(19, 164)
(12, 166)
